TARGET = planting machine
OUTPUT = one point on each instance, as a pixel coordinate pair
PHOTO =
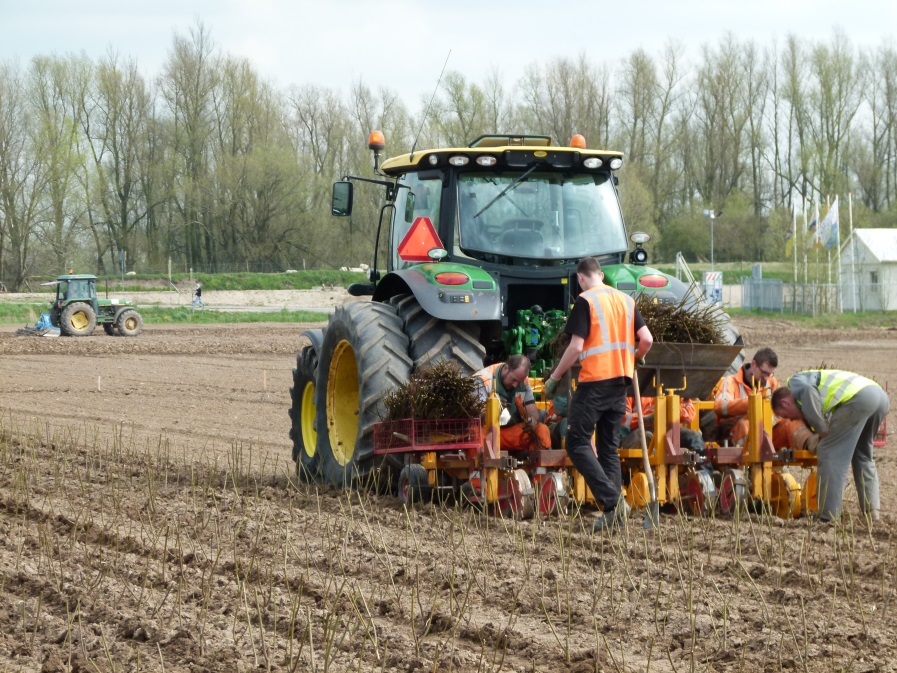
(481, 247)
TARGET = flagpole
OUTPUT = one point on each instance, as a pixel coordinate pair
(794, 236)
(804, 243)
(853, 257)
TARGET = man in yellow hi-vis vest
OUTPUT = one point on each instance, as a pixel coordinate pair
(845, 410)
(603, 327)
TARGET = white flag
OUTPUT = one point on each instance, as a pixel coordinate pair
(829, 231)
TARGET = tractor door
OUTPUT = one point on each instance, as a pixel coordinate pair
(83, 289)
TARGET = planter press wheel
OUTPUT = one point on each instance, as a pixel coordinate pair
(784, 495)
(471, 491)
(414, 487)
(552, 494)
(638, 493)
(515, 496)
(733, 491)
(809, 494)
(698, 494)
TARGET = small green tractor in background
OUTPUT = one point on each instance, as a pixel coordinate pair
(77, 311)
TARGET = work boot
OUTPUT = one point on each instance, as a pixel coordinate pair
(613, 519)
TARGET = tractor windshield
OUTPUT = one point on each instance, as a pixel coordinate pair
(538, 216)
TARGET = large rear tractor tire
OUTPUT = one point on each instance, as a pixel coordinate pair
(129, 323)
(303, 413)
(78, 319)
(433, 340)
(364, 355)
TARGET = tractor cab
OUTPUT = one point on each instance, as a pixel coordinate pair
(80, 287)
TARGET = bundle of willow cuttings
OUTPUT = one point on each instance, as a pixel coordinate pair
(435, 392)
(685, 322)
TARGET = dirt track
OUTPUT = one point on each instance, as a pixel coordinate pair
(147, 521)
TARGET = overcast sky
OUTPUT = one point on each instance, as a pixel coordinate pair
(403, 44)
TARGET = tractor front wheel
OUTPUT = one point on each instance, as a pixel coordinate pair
(364, 355)
(78, 319)
(109, 329)
(302, 414)
(129, 323)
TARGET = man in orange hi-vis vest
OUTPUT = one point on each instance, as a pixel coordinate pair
(607, 336)
(521, 425)
(731, 405)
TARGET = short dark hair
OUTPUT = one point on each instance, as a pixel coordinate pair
(588, 266)
(766, 356)
(517, 361)
(778, 395)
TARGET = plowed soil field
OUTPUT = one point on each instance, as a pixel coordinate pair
(149, 521)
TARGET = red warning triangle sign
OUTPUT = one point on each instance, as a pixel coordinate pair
(420, 239)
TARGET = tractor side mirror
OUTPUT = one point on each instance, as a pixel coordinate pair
(341, 202)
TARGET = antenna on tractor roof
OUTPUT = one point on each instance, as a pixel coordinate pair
(429, 105)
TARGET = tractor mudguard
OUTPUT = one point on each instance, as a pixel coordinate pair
(445, 302)
(316, 336)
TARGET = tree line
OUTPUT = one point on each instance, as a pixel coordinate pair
(211, 167)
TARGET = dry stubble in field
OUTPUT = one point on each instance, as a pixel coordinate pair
(121, 557)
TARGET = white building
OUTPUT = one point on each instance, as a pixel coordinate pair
(869, 270)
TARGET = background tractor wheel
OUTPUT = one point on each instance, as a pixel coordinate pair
(363, 356)
(129, 323)
(434, 340)
(109, 329)
(78, 319)
(303, 413)
(413, 484)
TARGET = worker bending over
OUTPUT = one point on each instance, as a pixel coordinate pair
(521, 426)
(845, 410)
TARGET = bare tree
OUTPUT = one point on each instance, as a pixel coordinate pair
(23, 177)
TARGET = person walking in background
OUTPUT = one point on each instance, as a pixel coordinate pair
(197, 297)
(604, 326)
(845, 410)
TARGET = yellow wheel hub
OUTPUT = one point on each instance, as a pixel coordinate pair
(810, 494)
(79, 320)
(307, 419)
(638, 493)
(131, 323)
(342, 402)
(784, 495)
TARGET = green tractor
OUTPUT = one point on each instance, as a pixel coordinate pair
(482, 244)
(77, 311)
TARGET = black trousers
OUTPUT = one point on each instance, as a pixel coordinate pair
(598, 406)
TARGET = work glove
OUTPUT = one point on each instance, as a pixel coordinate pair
(812, 443)
(551, 386)
(639, 363)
